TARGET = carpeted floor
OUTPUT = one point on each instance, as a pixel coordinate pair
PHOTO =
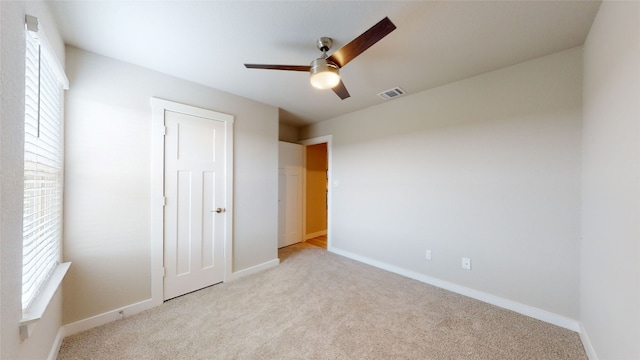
(318, 305)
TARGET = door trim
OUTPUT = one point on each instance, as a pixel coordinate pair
(158, 109)
(313, 141)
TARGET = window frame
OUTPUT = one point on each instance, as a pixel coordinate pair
(45, 83)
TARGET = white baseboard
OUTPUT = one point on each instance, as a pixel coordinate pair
(109, 316)
(106, 317)
(523, 309)
(543, 315)
(586, 343)
(55, 348)
(254, 269)
(315, 234)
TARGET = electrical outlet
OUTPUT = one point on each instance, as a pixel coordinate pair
(427, 255)
(466, 263)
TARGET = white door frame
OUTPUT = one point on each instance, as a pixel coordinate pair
(313, 141)
(158, 108)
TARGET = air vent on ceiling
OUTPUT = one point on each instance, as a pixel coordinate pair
(391, 93)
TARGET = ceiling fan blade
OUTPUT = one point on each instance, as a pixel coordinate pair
(358, 45)
(306, 68)
(341, 90)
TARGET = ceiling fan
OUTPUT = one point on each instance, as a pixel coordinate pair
(324, 71)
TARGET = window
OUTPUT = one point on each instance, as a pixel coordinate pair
(43, 166)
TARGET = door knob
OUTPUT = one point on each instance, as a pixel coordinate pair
(219, 210)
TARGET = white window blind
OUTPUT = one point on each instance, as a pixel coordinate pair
(43, 165)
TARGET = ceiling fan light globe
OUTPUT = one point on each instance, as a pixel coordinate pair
(325, 80)
(324, 74)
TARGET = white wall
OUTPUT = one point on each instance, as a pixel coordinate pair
(12, 38)
(610, 249)
(108, 178)
(288, 133)
(486, 168)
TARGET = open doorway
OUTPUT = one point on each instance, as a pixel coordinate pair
(316, 171)
(317, 192)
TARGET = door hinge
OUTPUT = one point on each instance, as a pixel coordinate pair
(164, 130)
(164, 272)
(164, 201)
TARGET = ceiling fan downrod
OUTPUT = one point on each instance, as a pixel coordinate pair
(324, 44)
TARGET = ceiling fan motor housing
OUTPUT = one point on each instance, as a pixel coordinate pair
(324, 44)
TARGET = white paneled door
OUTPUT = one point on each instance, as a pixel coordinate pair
(194, 212)
(290, 193)
(289, 206)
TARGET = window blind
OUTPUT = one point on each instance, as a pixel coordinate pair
(43, 165)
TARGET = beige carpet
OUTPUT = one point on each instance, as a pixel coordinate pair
(318, 305)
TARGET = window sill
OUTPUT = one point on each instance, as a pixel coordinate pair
(41, 302)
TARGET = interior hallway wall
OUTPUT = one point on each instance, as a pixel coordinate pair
(108, 179)
(288, 133)
(486, 168)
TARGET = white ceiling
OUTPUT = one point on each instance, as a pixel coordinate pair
(436, 42)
